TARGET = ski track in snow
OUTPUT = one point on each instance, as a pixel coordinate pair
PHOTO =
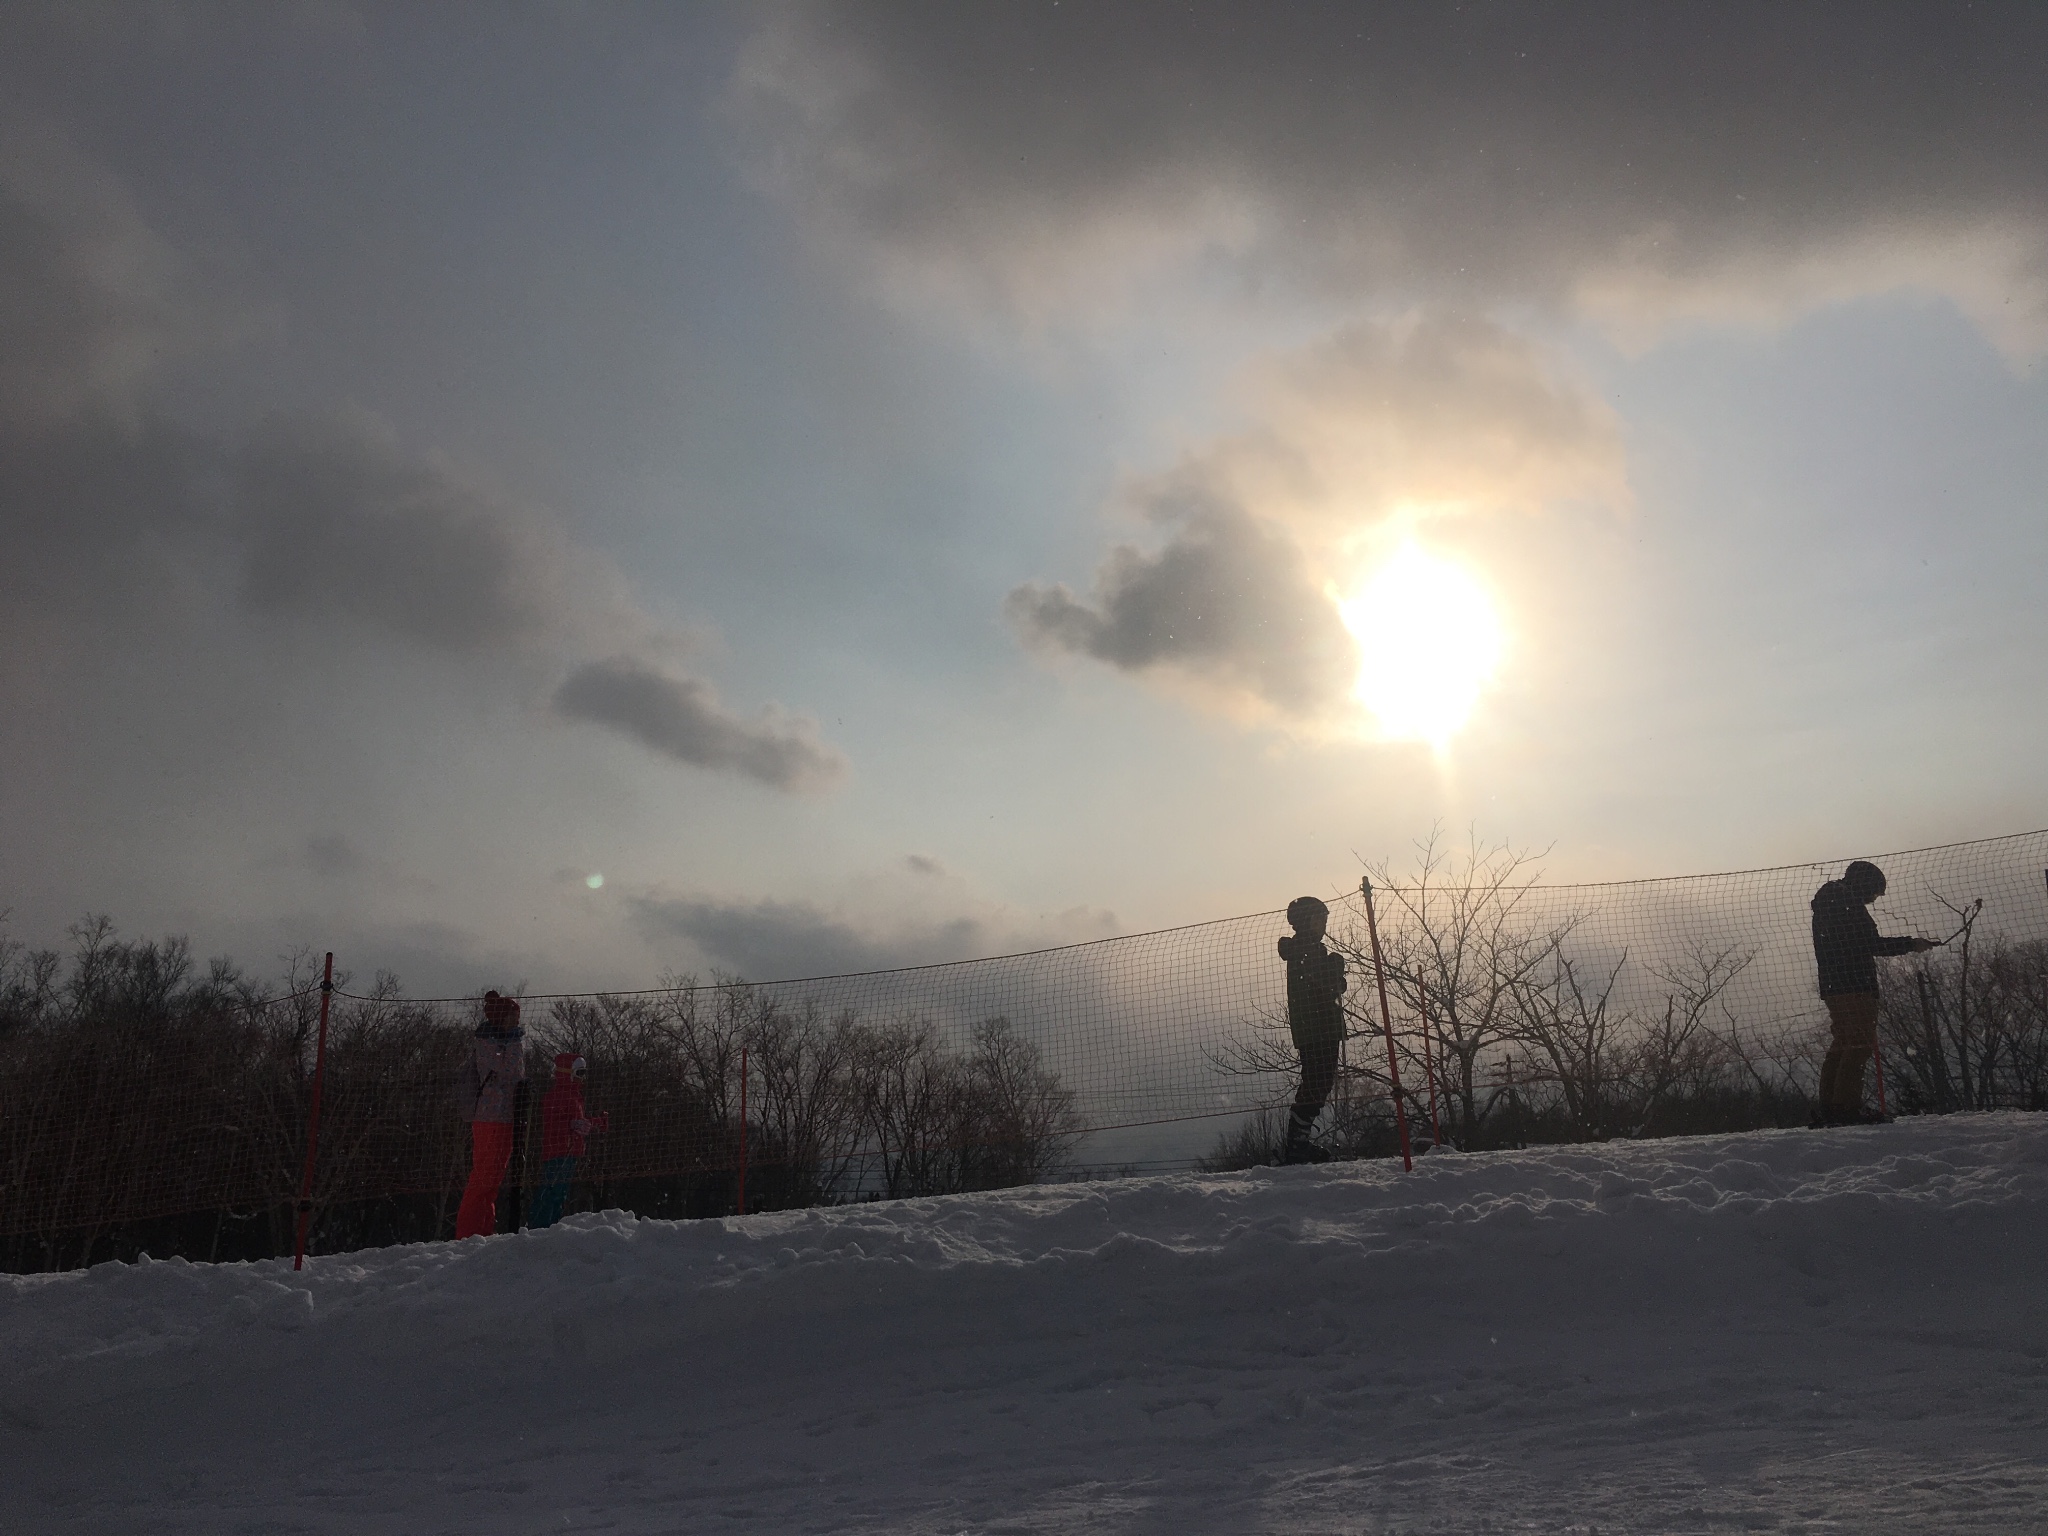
(1785, 1331)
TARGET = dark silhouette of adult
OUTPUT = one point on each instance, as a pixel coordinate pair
(1315, 1018)
(1846, 945)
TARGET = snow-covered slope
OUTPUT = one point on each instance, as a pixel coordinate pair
(1786, 1331)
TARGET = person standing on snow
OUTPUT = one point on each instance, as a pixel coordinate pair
(487, 1091)
(1846, 945)
(1315, 1018)
(564, 1129)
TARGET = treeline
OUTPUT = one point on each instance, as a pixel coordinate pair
(148, 1104)
(1535, 1035)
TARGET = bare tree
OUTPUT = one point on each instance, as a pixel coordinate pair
(1022, 1114)
(1566, 1015)
(1461, 941)
(807, 1102)
(1971, 1029)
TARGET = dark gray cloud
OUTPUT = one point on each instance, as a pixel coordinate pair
(91, 298)
(681, 717)
(100, 496)
(99, 514)
(778, 940)
(1227, 600)
(115, 518)
(1643, 161)
(342, 521)
(332, 854)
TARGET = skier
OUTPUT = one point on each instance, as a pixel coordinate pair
(1315, 980)
(487, 1091)
(564, 1127)
(1846, 945)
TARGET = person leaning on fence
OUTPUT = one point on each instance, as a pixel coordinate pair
(1315, 1018)
(487, 1092)
(1846, 945)
(564, 1129)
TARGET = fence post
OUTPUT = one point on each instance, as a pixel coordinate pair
(313, 1119)
(1387, 1022)
(743, 1131)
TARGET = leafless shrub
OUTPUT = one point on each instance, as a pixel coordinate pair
(1967, 1027)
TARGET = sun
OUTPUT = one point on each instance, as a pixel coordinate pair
(1430, 640)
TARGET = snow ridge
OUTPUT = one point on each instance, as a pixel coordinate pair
(1743, 1327)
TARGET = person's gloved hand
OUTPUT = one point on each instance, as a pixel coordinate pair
(580, 1127)
(1921, 946)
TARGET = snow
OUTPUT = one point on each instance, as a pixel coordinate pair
(1789, 1331)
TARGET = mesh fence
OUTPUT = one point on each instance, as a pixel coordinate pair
(144, 1108)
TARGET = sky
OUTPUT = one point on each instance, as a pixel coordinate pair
(574, 494)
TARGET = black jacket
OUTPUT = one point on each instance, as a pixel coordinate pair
(1846, 942)
(1315, 980)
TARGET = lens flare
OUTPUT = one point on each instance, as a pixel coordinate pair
(1429, 640)
(595, 882)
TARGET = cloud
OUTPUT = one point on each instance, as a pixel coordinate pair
(1227, 601)
(681, 717)
(332, 854)
(1446, 411)
(116, 517)
(337, 857)
(91, 298)
(775, 940)
(782, 940)
(100, 516)
(1644, 165)
(341, 521)
(1379, 428)
(99, 496)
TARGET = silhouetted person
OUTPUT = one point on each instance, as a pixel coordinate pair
(487, 1091)
(1846, 945)
(564, 1127)
(1315, 980)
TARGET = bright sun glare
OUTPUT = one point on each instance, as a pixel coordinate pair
(1429, 641)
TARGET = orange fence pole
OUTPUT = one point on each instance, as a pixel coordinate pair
(313, 1118)
(1387, 1022)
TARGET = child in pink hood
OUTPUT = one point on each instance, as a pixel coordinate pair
(564, 1129)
